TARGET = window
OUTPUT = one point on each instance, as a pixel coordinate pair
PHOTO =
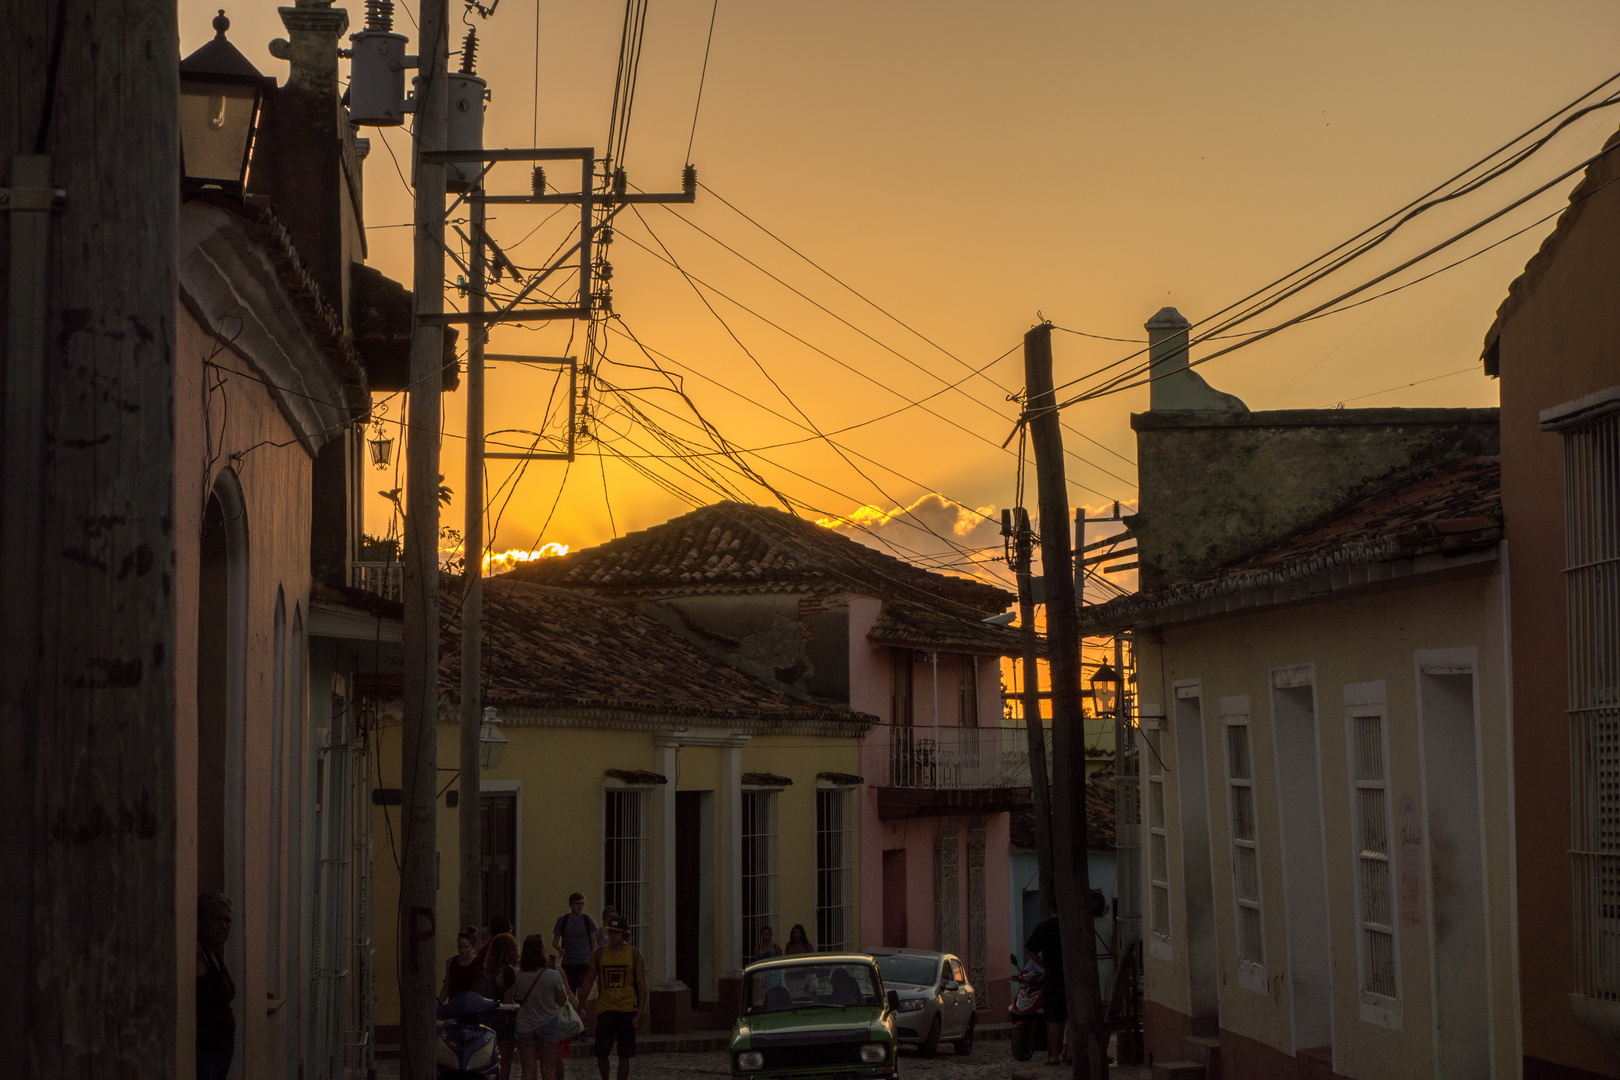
(835, 870)
(625, 876)
(967, 691)
(1158, 835)
(1375, 901)
(1591, 429)
(900, 687)
(758, 867)
(1245, 843)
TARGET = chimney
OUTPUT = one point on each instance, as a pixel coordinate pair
(1167, 352)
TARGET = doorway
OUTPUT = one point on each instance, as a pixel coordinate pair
(894, 898)
(1198, 882)
(1460, 946)
(497, 827)
(1299, 789)
(694, 893)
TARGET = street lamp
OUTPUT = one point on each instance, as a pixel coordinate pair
(220, 96)
(1105, 690)
(382, 447)
(491, 743)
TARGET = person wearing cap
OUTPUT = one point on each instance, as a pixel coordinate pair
(622, 997)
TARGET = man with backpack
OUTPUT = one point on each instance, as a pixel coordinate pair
(622, 997)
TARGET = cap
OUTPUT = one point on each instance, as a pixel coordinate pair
(615, 922)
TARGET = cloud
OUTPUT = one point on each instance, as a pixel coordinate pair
(934, 532)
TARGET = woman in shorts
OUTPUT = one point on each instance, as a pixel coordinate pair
(540, 992)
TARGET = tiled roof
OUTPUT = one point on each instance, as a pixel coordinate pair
(1100, 817)
(1598, 175)
(918, 627)
(732, 547)
(547, 648)
(1454, 509)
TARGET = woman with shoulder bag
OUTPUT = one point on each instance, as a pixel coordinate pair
(500, 962)
(541, 992)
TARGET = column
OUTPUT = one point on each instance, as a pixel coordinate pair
(663, 957)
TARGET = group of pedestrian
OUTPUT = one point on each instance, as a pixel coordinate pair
(798, 942)
(587, 957)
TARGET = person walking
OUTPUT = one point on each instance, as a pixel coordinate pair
(540, 993)
(798, 941)
(573, 938)
(1046, 945)
(462, 971)
(499, 975)
(499, 925)
(622, 973)
(216, 1020)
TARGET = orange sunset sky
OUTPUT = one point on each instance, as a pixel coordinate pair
(967, 167)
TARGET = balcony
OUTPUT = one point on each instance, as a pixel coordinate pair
(385, 579)
(951, 770)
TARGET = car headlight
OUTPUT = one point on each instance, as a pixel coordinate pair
(750, 1059)
(874, 1053)
(912, 1004)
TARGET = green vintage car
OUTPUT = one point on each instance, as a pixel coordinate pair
(820, 1015)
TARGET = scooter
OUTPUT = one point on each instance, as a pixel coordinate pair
(1029, 1026)
(467, 1049)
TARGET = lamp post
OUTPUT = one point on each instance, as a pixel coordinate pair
(491, 740)
(221, 93)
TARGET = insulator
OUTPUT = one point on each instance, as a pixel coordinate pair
(539, 180)
(380, 15)
(606, 273)
(469, 53)
(604, 235)
(689, 180)
(621, 183)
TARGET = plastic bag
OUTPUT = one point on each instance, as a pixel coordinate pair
(568, 1022)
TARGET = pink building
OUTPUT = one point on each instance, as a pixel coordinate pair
(837, 623)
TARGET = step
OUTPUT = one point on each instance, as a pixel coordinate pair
(1202, 1049)
(1178, 1070)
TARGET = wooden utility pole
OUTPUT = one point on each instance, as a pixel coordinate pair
(418, 955)
(1087, 1036)
(89, 163)
(472, 603)
(1016, 524)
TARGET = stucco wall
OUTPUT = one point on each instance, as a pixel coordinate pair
(1351, 640)
(799, 642)
(215, 420)
(1217, 486)
(1561, 343)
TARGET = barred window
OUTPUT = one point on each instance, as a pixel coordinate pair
(835, 870)
(967, 691)
(1245, 842)
(1158, 836)
(1591, 429)
(758, 867)
(626, 875)
(1375, 899)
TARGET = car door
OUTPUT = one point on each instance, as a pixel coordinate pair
(964, 992)
(951, 1019)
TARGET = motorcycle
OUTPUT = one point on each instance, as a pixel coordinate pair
(1029, 1026)
(467, 1049)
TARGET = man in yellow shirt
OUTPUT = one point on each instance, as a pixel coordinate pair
(622, 998)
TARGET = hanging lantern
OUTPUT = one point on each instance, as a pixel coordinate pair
(491, 742)
(382, 448)
(1105, 690)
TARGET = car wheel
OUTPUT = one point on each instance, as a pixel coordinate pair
(1023, 1042)
(930, 1046)
(964, 1045)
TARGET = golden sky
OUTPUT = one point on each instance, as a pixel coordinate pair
(968, 167)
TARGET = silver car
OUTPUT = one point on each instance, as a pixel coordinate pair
(937, 1003)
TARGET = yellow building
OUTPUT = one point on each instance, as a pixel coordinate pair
(644, 773)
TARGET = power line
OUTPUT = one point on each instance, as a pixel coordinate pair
(702, 77)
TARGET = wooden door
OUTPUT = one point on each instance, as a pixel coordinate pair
(497, 817)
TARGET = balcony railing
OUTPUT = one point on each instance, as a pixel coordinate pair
(952, 757)
(386, 579)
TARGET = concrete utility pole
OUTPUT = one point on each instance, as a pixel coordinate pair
(89, 123)
(419, 749)
(1069, 840)
(472, 602)
(1016, 523)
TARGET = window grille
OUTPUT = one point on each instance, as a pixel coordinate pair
(1592, 593)
(626, 877)
(1375, 902)
(758, 867)
(901, 678)
(1158, 836)
(967, 691)
(1245, 842)
(835, 871)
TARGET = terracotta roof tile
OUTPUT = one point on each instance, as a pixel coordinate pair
(1456, 508)
(548, 648)
(918, 627)
(1100, 817)
(732, 547)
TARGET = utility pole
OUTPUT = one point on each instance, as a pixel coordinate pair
(472, 603)
(1069, 827)
(419, 765)
(1015, 523)
(88, 232)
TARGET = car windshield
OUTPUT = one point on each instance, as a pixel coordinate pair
(801, 986)
(916, 970)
